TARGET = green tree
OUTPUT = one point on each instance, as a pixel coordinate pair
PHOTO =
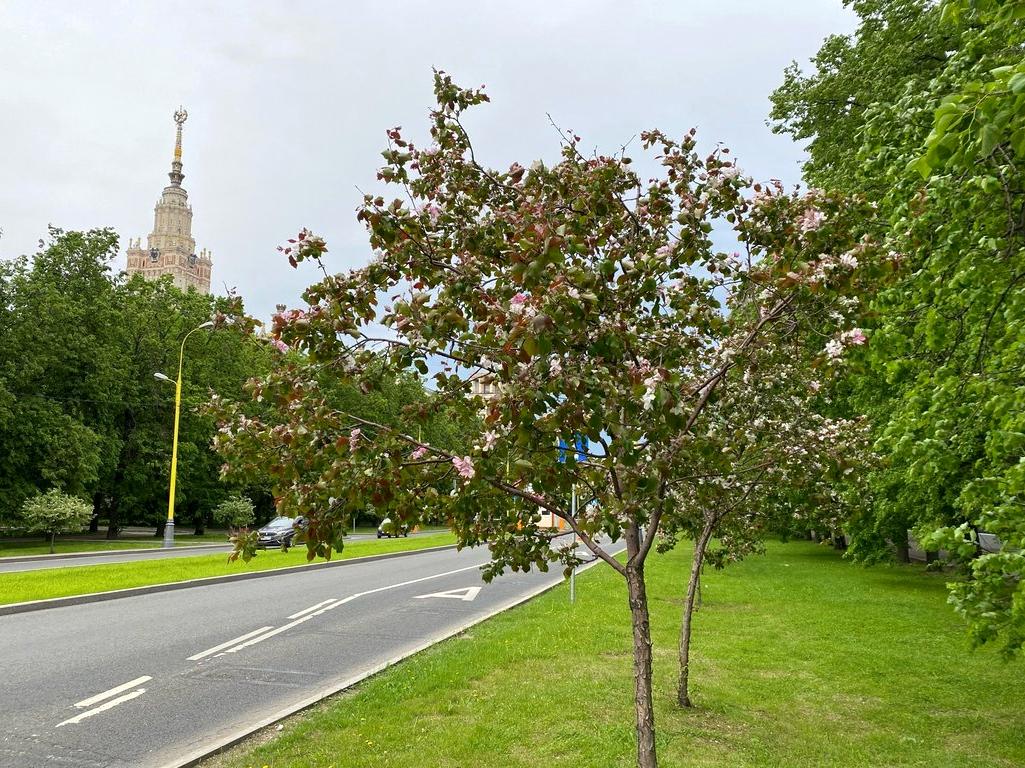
(79, 407)
(54, 512)
(942, 143)
(235, 512)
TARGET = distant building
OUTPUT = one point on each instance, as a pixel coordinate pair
(170, 249)
(481, 388)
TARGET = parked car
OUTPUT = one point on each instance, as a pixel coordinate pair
(280, 531)
(388, 529)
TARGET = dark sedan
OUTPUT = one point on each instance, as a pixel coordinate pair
(280, 531)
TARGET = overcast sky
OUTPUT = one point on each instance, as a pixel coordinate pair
(288, 103)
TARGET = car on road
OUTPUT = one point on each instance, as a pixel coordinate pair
(388, 529)
(280, 531)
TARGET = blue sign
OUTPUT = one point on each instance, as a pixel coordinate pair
(581, 445)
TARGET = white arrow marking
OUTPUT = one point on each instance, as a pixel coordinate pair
(103, 707)
(466, 594)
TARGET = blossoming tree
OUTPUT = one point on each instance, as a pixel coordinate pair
(585, 301)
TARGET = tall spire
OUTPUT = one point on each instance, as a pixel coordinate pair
(176, 164)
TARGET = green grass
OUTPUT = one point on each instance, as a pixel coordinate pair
(801, 659)
(61, 582)
(65, 546)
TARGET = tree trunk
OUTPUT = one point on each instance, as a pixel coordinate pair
(643, 706)
(161, 526)
(94, 521)
(904, 552)
(683, 688)
(53, 538)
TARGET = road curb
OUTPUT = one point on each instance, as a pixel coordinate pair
(117, 594)
(194, 758)
(104, 553)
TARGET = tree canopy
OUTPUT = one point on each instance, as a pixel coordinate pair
(938, 136)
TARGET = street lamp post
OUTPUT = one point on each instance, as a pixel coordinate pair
(169, 528)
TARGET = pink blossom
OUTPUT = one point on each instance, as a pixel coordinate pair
(554, 366)
(814, 386)
(664, 252)
(834, 349)
(280, 346)
(849, 261)
(464, 466)
(855, 337)
(434, 212)
(811, 219)
(517, 302)
(490, 438)
(419, 453)
(354, 438)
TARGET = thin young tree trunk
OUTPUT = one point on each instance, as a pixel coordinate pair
(643, 706)
(53, 539)
(683, 688)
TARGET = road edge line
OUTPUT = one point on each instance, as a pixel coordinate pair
(220, 745)
(11, 609)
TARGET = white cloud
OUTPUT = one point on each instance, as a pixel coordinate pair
(288, 103)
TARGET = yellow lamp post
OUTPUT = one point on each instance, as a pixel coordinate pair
(169, 528)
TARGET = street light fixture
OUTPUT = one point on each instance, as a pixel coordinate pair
(169, 528)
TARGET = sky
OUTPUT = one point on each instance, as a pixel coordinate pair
(289, 103)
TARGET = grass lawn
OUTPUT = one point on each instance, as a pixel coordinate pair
(802, 659)
(61, 582)
(64, 546)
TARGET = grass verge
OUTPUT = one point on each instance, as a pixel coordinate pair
(66, 546)
(801, 659)
(80, 580)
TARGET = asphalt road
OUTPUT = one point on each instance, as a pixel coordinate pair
(129, 555)
(141, 681)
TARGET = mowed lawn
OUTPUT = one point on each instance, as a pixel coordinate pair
(79, 580)
(68, 545)
(801, 659)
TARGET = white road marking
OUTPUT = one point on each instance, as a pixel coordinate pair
(466, 594)
(417, 581)
(331, 604)
(112, 692)
(217, 648)
(297, 614)
(103, 707)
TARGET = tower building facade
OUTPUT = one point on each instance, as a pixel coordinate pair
(170, 248)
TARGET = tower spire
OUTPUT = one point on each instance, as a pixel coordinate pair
(176, 164)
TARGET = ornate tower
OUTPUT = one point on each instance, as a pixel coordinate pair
(170, 249)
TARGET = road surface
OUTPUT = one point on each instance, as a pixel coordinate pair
(140, 682)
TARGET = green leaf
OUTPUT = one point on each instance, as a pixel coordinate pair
(989, 137)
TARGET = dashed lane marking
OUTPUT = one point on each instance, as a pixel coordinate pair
(297, 614)
(112, 692)
(222, 646)
(109, 704)
(324, 607)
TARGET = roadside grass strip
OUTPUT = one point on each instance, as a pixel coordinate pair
(68, 546)
(23, 586)
(799, 659)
